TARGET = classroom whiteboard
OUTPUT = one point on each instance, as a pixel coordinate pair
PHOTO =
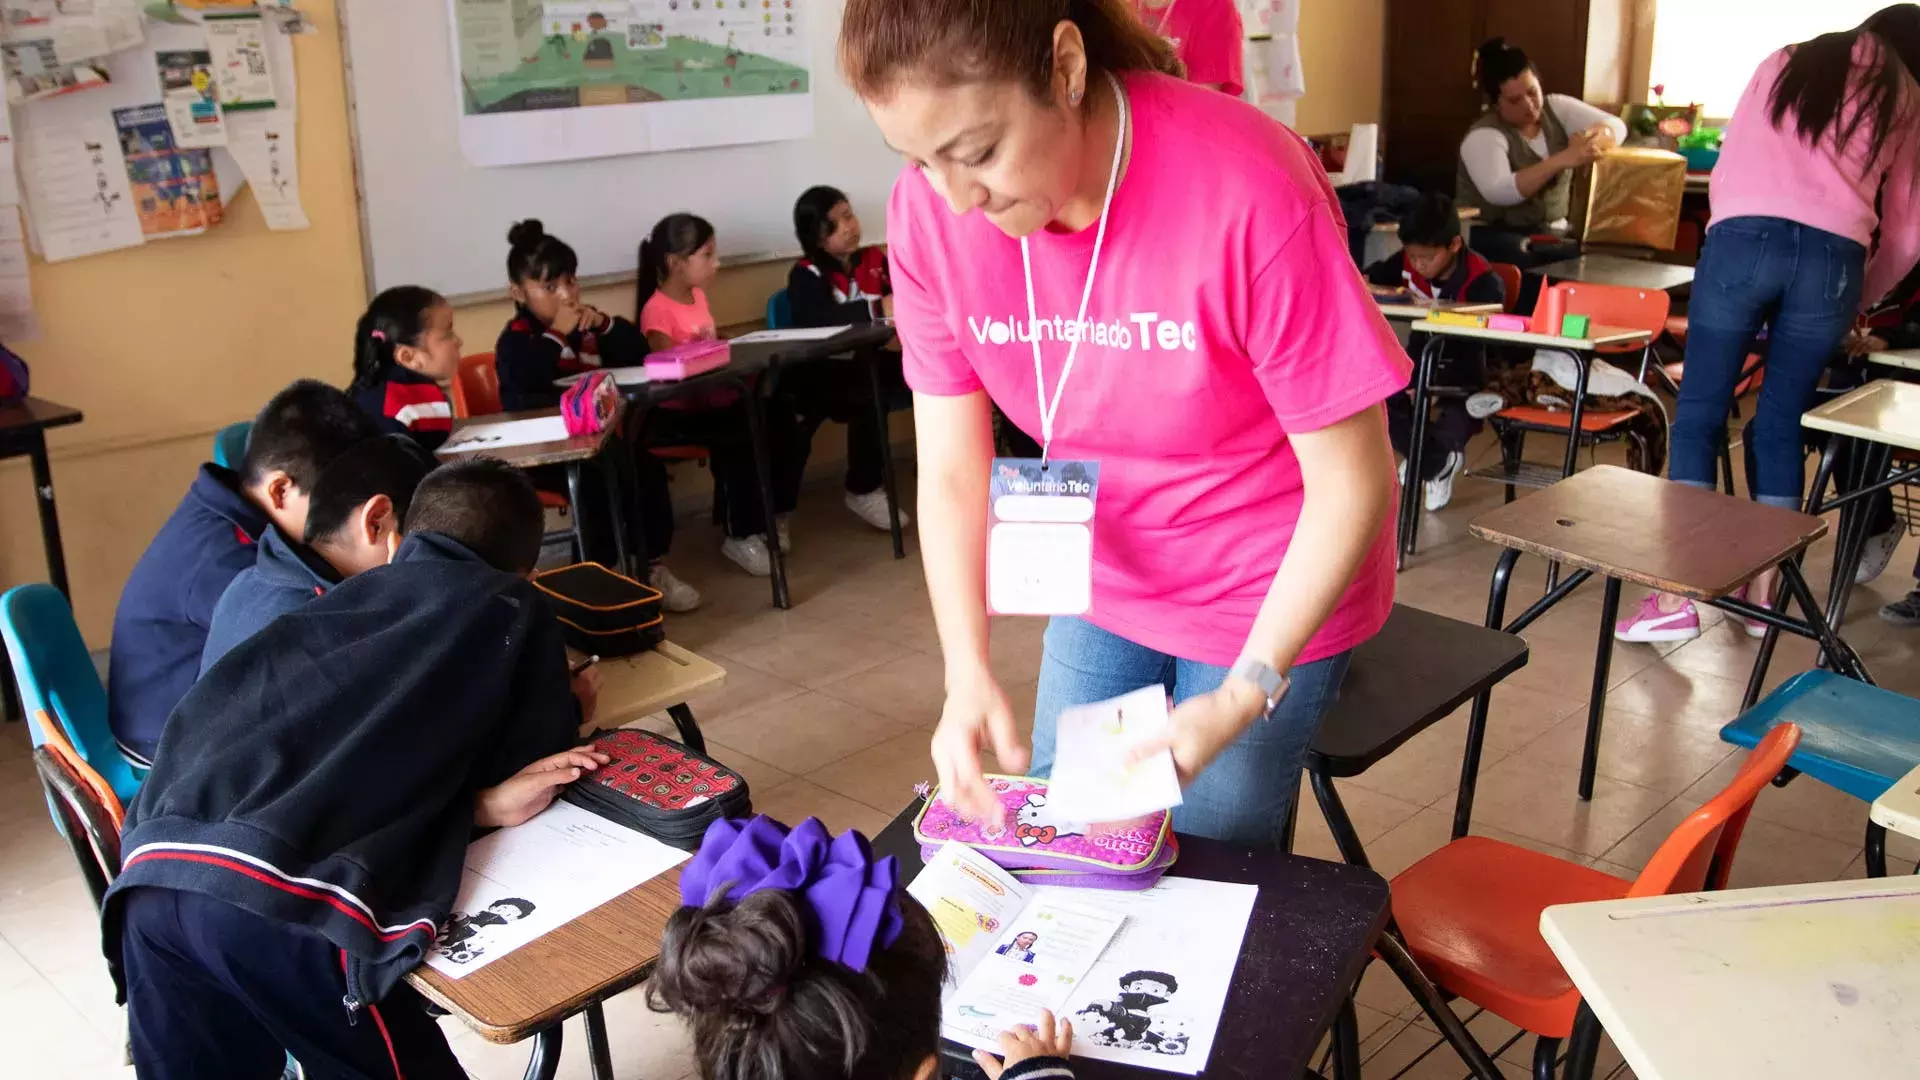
(431, 218)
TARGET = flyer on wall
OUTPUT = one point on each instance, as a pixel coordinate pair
(77, 188)
(174, 190)
(186, 88)
(565, 79)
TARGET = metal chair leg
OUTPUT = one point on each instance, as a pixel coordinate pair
(1546, 1058)
(871, 360)
(1394, 952)
(1597, 704)
(1477, 724)
(1338, 822)
(1876, 849)
(1584, 1048)
(545, 1061)
(599, 1053)
(1346, 1042)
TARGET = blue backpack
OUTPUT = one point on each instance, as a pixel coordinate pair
(13, 377)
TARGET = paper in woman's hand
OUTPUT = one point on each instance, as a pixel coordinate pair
(1092, 779)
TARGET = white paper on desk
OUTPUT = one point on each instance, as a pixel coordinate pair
(77, 188)
(1040, 957)
(1091, 779)
(806, 333)
(502, 434)
(622, 376)
(971, 901)
(261, 141)
(1184, 935)
(532, 879)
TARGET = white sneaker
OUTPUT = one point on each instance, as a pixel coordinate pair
(1440, 488)
(872, 509)
(675, 595)
(783, 528)
(1485, 404)
(1878, 552)
(749, 553)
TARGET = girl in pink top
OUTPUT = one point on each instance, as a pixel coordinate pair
(1816, 215)
(1227, 374)
(678, 260)
(1207, 36)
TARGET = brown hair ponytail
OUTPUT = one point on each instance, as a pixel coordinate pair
(948, 42)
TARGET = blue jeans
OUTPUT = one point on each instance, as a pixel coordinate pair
(1803, 284)
(1244, 796)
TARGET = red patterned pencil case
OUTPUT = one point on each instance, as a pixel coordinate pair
(659, 787)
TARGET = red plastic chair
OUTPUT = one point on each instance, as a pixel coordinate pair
(476, 387)
(1470, 912)
(1511, 277)
(85, 809)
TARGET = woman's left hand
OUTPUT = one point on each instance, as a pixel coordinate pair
(1201, 728)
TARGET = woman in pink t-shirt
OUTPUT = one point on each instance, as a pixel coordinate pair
(1207, 36)
(1203, 336)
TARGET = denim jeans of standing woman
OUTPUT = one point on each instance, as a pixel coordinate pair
(1243, 797)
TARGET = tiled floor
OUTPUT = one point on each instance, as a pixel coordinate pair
(828, 707)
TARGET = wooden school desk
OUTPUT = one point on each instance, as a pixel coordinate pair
(661, 678)
(23, 433)
(1899, 809)
(1752, 984)
(1692, 542)
(1616, 270)
(528, 993)
(1583, 351)
(573, 453)
(1873, 420)
(1314, 925)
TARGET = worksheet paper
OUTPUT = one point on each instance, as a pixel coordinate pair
(262, 143)
(1092, 780)
(77, 188)
(622, 376)
(808, 333)
(530, 880)
(17, 322)
(501, 434)
(242, 71)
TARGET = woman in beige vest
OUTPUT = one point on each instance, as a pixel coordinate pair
(1517, 161)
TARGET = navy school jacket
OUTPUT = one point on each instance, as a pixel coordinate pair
(160, 626)
(323, 773)
(407, 402)
(284, 577)
(838, 295)
(528, 357)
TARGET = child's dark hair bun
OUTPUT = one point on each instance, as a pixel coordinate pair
(526, 234)
(739, 958)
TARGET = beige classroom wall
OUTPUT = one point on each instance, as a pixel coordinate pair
(1342, 48)
(163, 345)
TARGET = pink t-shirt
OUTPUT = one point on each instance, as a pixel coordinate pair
(1208, 38)
(681, 322)
(1224, 315)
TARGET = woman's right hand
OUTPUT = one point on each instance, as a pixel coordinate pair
(976, 716)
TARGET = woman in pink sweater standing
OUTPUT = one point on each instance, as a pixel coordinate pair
(1816, 216)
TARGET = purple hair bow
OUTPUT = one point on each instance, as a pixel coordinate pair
(849, 892)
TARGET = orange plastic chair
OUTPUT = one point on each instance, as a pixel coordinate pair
(476, 387)
(1509, 276)
(62, 750)
(1470, 912)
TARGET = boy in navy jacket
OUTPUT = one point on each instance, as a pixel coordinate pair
(301, 837)
(353, 525)
(1434, 263)
(160, 626)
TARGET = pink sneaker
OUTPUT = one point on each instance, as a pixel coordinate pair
(1652, 624)
(1753, 627)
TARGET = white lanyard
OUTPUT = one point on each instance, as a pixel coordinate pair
(1166, 18)
(1048, 412)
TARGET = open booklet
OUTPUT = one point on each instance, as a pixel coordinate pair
(1143, 976)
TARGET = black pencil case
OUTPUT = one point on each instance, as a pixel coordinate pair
(603, 613)
(659, 787)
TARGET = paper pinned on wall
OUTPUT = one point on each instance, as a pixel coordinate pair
(174, 190)
(242, 72)
(77, 188)
(262, 143)
(17, 320)
(186, 87)
(9, 179)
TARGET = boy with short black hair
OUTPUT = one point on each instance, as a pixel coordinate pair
(301, 837)
(1434, 264)
(353, 525)
(160, 626)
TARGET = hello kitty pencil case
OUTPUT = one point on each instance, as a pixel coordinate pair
(1041, 849)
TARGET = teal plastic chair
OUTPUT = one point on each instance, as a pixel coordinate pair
(230, 444)
(779, 311)
(1853, 736)
(56, 675)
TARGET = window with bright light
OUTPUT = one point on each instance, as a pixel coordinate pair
(1706, 50)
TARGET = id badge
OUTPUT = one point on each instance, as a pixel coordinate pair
(1040, 536)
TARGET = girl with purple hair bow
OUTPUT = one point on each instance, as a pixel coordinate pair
(799, 956)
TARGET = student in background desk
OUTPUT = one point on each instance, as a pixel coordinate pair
(160, 626)
(403, 349)
(1434, 263)
(353, 525)
(301, 837)
(839, 283)
(553, 333)
(800, 955)
(678, 261)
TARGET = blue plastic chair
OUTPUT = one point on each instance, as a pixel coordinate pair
(779, 311)
(230, 444)
(1854, 737)
(57, 676)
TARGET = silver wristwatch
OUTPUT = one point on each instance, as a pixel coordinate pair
(1271, 683)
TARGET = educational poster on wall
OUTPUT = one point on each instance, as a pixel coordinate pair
(77, 189)
(174, 191)
(559, 80)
